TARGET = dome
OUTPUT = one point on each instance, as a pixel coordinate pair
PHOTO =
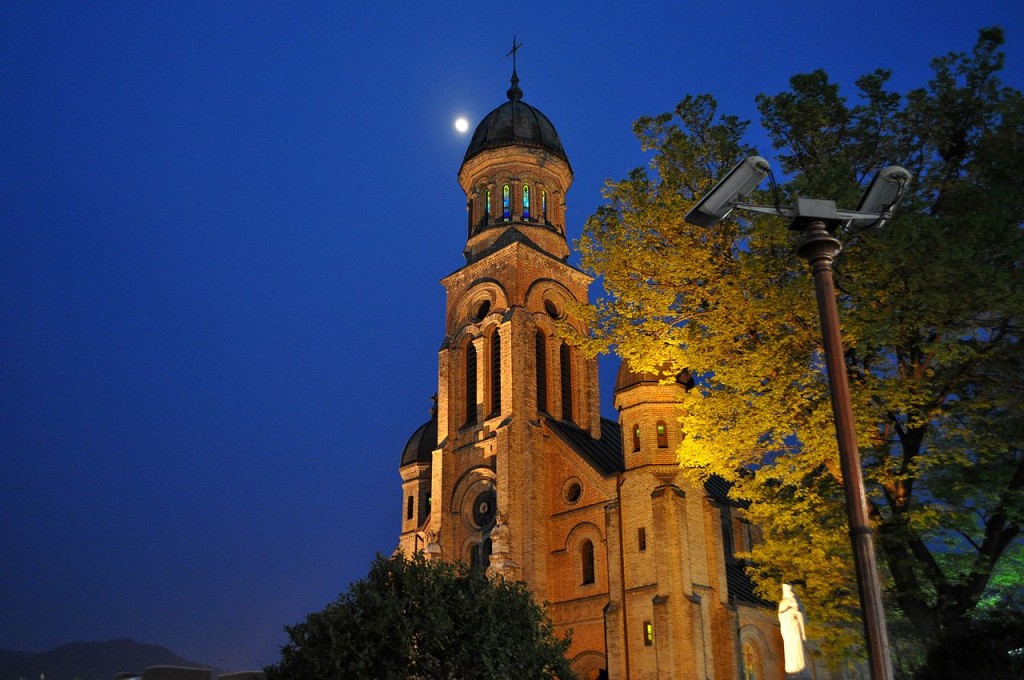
(627, 377)
(515, 123)
(421, 445)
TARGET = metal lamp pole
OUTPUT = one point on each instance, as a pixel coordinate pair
(818, 219)
(819, 247)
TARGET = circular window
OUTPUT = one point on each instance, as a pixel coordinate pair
(477, 504)
(552, 309)
(573, 491)
(484, 509)
(482, 310)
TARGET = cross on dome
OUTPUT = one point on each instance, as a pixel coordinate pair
(514, 93)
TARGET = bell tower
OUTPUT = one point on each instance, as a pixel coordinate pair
(503, 370)
(516, 474)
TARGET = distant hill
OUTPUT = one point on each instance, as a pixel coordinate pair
(89, 661)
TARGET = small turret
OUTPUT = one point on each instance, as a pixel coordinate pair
(648, 405)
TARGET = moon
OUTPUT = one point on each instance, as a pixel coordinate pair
(461, 124)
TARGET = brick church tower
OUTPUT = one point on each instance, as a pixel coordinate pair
(516, 473)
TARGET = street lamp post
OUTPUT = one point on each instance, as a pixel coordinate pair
(819, 219)
(819, 247)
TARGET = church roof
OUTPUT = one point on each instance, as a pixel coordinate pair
(717, 489)
(510, 235)
(741, 588)
(627, 377)
(515, 123)
(421, 445)
(605, 454)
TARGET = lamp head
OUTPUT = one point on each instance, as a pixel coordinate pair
(881, 196)
(729, 191)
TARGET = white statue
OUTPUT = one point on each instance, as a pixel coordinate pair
(791, 619)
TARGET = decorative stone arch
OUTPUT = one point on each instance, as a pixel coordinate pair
(465, 334)
(753, 641)
(581, 531)
(480, 543)
(545, 325)
(483, 297)
(567, 372)
(467, 488)
(589, 665)
(476, 315)
(574, 544)
(549, 298)
(474, 501)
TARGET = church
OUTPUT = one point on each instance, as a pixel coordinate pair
(517, 473)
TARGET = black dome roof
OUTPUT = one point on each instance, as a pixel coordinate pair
(515, 123)
(421, 445)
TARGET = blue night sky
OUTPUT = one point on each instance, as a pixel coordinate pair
(222, 226)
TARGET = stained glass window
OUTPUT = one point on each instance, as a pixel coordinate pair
(751, 666)
(506, 202)
(488, 203)
(544, 204)
(526, 201)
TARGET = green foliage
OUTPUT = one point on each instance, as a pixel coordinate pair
(932, 308)
(990, 645)
(416, 619)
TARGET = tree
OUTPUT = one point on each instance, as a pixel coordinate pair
(989, 646)
(932, 308)
(411, 618)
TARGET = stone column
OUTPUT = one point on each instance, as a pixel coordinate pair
(614, 611)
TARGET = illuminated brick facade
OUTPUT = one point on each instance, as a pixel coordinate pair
(518, 474)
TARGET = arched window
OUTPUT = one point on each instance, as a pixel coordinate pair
(487, 213)
(408, 508)
(544, 204)
(506, 202)
(480, 555)
(636, 437)
(424, 506)
(526, 201)
(662, 435)
(728, 542)
(751, 662)
(587, 561)
(495, 373)
(565, 368)
(470, 384)
(540, 350)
